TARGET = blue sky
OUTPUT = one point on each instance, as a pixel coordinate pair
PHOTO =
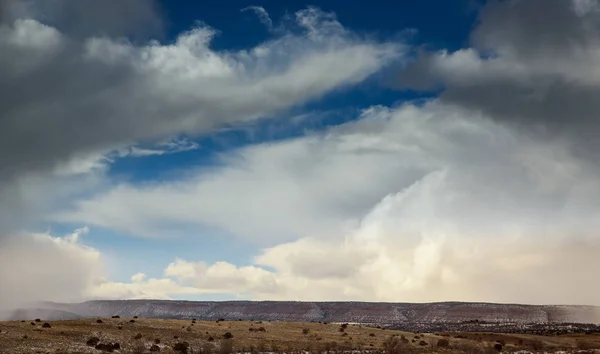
(284, 150)
(412, 21)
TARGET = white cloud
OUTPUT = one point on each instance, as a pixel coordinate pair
(262, 14)
(81, 97)
(406, 204)
(40, 267)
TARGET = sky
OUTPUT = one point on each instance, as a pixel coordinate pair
(407, 151)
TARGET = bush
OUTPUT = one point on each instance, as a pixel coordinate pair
(423, 343)
(181, 347)
(211, 339)
(131, 321)
(227, 335)
(92, 341)
(207, 348)
(154, 348)
(98, 321)
(135, 317)
(372, 334)
(156, 341)
(393, 345)
(105, 347)
(46, 325)
(138, 336)
(305, 331)
(226, 346)
(498, 347)
(115, 316)
(37, 320)
(443, 343)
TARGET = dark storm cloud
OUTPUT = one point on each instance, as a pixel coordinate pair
(137, 19)
(532, 63)
(70, 88)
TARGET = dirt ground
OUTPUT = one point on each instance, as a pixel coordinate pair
(139, 335)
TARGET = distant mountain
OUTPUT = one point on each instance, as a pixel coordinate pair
(362, 312)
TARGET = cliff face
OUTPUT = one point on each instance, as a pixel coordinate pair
(376, 313)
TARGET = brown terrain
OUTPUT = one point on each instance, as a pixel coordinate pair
(142, 335)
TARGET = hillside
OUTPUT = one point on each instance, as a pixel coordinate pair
(359, 312)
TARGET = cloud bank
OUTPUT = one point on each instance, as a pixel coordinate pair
(427, 203)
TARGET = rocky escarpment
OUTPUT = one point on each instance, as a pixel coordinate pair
(362, 312)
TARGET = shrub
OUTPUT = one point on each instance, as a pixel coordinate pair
(135, 317)
(46, 325)
(37, 320)
(181, 347)
(443, 343)
(156, 341)
(226, 346)
(372, 334)
(138, 348)
(211, 339)
(536, 344)
(393, 345)
(92, 341)
(115, 316)
(423, 343)
(120, 327)
(25, 336)
(498, 347)
(227, 335)
(207, 348)
(305, 331)
(501, 341)
(108, 347)
(98, 321)
(138, 336)
(154, 348)
(131, 321)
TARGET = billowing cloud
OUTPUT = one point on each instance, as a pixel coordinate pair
(41, 267)
(66, 99)
(405, 204)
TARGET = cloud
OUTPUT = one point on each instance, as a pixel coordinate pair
(69, 97)
(533, 69)
(262, 14)
(414, 203)
(137, 19)
(32, 265)
(171, 146)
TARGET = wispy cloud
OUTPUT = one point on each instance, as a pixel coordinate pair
(262, 14)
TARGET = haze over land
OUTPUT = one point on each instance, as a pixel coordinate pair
(147, 153)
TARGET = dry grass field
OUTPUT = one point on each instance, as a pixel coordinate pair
(171, 336)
